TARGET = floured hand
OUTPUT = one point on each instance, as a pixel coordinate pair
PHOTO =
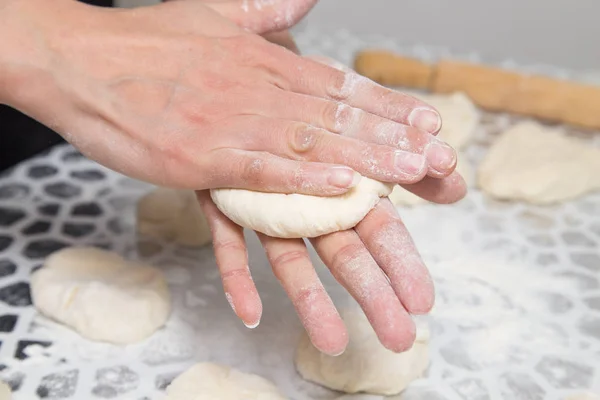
(201, 103)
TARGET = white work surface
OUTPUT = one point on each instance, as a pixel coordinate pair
(518, 291)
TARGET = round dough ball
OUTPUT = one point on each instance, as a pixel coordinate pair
(539, 165)
(299, 215)
(365, 366)
(5, 392)
(174, 216)
(208, 381)
(101, 295)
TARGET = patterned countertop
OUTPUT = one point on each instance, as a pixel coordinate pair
(517, 314)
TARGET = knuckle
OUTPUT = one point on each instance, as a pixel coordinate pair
(349, 257)
(341, 117)
(289, 258)
(234, 273)
(308, 295)
(303, 138)
(340, 85)
(252, 171)
(228, 245)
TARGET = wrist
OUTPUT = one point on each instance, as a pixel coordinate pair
(26, 31)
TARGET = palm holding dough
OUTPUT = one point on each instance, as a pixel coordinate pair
(297, 215)
(101, 295)
(389, 285)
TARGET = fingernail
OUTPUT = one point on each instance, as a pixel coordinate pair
(409, 163)
(252, 326)
(440, 156)
(425, 119)
(343, 177)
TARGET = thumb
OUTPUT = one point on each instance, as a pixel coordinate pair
(263, 16)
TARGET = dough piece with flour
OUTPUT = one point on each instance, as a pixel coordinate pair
(5, 392)
(365, 366)
(174, 216)
(101, 295)
(539, 165)
(299, 215)
(584, 396)
(208, 381)
(402, 197)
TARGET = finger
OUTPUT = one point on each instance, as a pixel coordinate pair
(320, 80)
(351, 264)
(283, 38)
(233, 168)
(300, 141)
(232, 259)
(447, 190)
(352, 122)
(264, 16)
(387, 239)
(292, 266)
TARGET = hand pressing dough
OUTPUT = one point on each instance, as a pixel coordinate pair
(173, 215)
(207, 381)
(299, 215)
(460, 117)
(402, 197)
(5, 392)
(540, 165)
(365, 366)
(101, 295)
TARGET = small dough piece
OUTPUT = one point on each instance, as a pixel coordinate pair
(299, 215)
(402, 197)
(539, 165)
(208, 381)
(174, 216)
(460, 117)
(583, 396)
(5, 392)
(101, 295)
(365, 366)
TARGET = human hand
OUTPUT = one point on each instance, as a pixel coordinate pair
(377, 263)
(202, 104)
(390, 284)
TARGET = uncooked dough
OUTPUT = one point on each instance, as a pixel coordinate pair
(402, 197)
(584, 396)
(460, 117)
(173, 215)
(299, 215)
(101, 295)
(365, 366)
(208, 381)
(540, 165)
(5, 392)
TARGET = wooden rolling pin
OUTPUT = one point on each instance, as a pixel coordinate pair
(492, 88)
(393, 70)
